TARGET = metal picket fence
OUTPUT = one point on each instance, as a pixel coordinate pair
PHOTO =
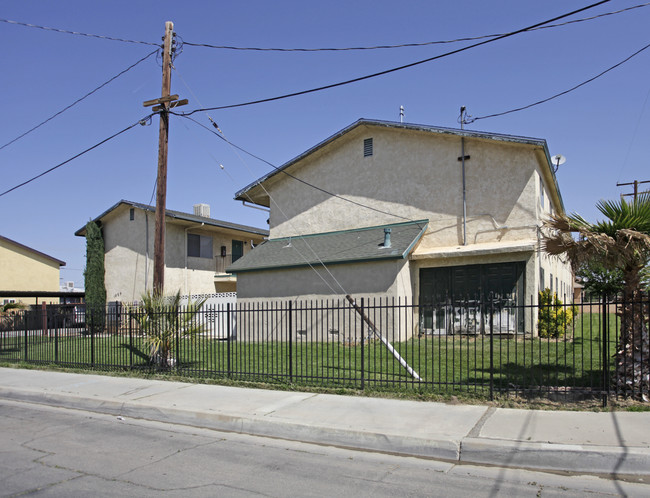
(484, 346)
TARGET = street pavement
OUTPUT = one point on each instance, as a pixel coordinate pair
(616, 444)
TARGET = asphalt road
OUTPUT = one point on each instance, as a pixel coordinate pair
(47, 451)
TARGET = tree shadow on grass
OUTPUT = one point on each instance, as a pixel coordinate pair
(512, 376)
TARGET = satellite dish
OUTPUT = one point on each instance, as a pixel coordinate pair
(557, 159)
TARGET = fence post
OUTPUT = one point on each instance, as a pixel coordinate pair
(129, 316)
(228, 336)
(604, 318)
(92, 336)
(290, 342)
(491, 347)
(178, 337)
(363, 334)
(56, 343)
(26, 333)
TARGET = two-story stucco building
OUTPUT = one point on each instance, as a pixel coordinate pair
(24, 269)
(407, 211)
(198, 249)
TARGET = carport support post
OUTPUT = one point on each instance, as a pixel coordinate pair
(56, 343)
(44, 318)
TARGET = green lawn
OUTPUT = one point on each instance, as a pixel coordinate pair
(442, 362)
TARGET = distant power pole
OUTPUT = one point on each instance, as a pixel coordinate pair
(636, 188)
(163, 105)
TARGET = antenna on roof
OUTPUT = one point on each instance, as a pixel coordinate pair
(401, 114)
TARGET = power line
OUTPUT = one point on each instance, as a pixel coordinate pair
(47, 28)
(471, 120)
(395, 69)
(280, 170)
(140, 121)
(236, 150)
(406, 45)
(78, 100)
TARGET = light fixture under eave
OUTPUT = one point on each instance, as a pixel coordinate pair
(557, 160)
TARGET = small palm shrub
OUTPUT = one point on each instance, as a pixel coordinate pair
(163, 320)
(553, 318)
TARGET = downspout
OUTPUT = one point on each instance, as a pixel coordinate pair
(146, 250)
(462, 160)
(462, 155)
(185, 269)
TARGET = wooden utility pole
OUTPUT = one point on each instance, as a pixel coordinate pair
(161, 182)
(636, 188)
(163, 105)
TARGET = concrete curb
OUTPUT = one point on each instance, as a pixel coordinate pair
(471, 449)
(592, 459)
(447, 450)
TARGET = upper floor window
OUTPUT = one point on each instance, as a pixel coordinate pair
(541, 196)
(199, 246)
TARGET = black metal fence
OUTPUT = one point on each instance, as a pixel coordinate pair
(487, 347)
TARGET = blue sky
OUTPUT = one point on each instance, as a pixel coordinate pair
(601, 128)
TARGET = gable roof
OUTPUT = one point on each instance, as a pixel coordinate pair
(347, 246)
(241, 195)
(33, 251)
(178, 215)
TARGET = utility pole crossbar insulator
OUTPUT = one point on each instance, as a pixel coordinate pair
(173, 104)
(160, 100)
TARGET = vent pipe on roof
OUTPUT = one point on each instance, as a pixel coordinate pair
(387, 237)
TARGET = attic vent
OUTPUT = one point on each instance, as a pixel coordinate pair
(367, 147)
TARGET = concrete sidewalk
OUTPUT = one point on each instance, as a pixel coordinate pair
(614, 443)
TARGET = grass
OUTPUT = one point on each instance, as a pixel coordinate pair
(446, 364)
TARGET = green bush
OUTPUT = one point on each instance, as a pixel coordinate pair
(94, 278)
(554, 318)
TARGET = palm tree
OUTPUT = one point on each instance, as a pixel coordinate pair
(163, 320)
(621, 241)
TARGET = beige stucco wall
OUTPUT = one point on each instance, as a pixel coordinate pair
(25, 270)
(128, 266)
(413, 175)
(319, 298)
(416, 175)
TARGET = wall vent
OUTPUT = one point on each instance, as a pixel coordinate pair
(202, 210)
(367, 147)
